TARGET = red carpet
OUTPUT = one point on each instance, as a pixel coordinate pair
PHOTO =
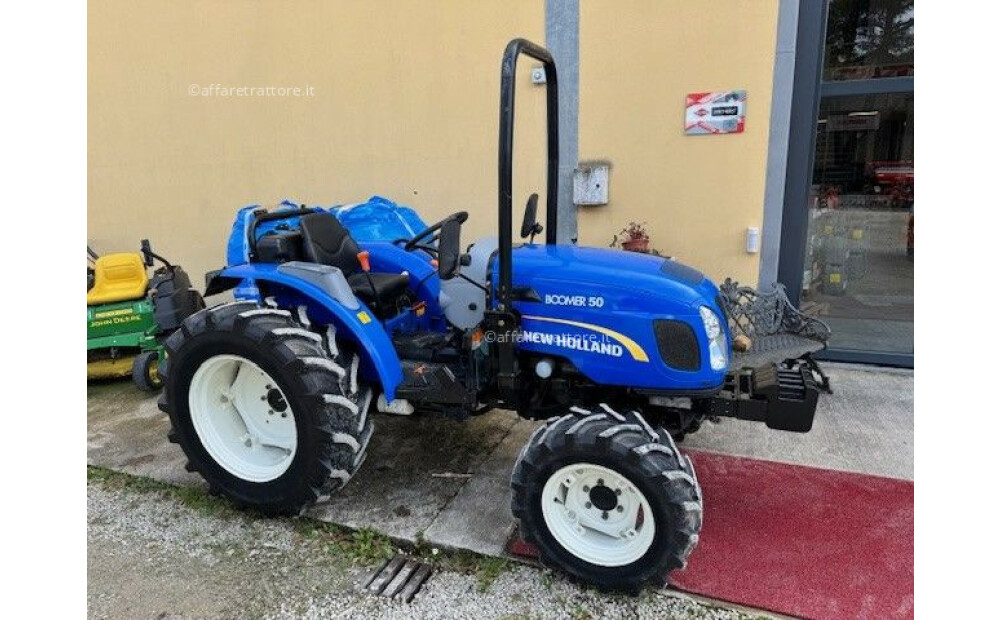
(802, 541)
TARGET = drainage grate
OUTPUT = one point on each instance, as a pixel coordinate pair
(399, 578)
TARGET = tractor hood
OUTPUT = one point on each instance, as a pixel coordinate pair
(621, 318)
(642, 279)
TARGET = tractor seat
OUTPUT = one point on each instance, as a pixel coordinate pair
(326, 241)
(118, 277)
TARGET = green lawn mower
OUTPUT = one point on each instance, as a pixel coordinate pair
(129, 313)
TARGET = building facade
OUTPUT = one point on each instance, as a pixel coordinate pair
(399, 99)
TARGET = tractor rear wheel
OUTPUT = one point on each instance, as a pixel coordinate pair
(607, 498)
(269, 412)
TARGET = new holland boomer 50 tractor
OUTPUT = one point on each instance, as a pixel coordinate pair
(269, 396)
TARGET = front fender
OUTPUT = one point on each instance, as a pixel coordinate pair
(352, 319)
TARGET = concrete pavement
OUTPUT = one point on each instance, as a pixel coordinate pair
(408, 488)
(865, 426)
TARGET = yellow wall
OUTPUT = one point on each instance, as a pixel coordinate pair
(698, 194)
(405, 105)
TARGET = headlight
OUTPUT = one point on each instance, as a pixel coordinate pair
(718, 356)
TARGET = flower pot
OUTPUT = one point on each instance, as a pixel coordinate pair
(636, 245)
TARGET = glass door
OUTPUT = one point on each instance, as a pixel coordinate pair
(857, 272)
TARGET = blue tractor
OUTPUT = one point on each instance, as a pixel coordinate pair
(618, 353)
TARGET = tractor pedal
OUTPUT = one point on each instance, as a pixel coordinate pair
(399, 578)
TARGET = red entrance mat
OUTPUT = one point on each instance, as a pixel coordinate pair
(798, 540)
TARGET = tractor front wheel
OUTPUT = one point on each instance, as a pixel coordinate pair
(268, 411)
(607, 498)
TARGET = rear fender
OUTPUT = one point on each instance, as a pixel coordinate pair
(327, 302)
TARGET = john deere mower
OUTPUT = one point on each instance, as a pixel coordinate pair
(616, 352)
(129, 313)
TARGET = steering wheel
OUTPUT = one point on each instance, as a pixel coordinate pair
(418, 240)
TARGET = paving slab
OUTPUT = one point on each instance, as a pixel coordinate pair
(127, 432)
(447, 482)
(408, 477)
(865, 426)
(478, 518)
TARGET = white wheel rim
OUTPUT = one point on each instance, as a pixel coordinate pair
(577, 507)
(242, 418)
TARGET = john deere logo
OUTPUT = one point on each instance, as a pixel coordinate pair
(107, 314)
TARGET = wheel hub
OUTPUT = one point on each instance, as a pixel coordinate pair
(603, 498)
(597, 514)
(233, 403)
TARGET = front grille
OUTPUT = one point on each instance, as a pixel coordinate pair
(678, 344)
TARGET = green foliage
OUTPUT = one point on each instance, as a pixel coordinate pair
(368, 547)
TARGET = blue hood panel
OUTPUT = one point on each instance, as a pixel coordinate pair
(596, 307)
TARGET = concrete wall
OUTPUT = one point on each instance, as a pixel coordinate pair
(698, 194)
(405, 104)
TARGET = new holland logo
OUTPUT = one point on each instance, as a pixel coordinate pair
(573, 341)
(614, 344)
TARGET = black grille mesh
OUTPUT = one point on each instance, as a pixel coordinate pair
(678, 344)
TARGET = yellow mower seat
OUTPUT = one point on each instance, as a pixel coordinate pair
(118, 277)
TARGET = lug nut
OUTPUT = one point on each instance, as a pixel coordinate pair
(589, 505)
(620, 509)
(284, 414)
(618, 491)
(600, 482)
(586, 489)
(604, 515)
(270, 412)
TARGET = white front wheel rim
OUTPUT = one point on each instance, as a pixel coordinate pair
(242, 418)
(598, 515)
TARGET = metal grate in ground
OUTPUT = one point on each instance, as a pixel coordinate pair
(400, 577)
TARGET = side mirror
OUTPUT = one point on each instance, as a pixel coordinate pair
(530, 226)
(448, 249)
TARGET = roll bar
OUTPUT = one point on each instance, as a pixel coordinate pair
(508, 73)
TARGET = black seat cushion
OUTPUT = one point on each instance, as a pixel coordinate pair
(326, 241)
(381, 289)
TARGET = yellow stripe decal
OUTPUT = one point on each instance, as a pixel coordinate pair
(638, 354)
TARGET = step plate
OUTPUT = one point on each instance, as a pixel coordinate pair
(399, 578)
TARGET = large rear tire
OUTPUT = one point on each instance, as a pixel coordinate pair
(607, 498)
(269, 412)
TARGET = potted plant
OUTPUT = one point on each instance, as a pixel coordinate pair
(634, 237)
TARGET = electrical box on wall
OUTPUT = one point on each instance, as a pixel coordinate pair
(590, 183)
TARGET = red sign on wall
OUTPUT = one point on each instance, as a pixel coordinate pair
(719, 112)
